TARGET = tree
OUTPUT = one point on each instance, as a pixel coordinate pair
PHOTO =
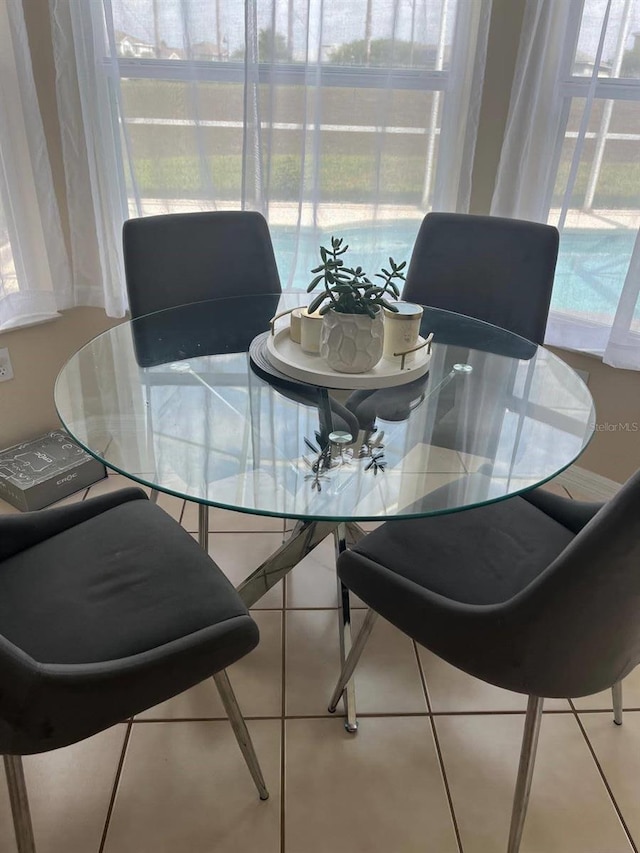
(272, 47)
(384, 52)
(631, 60)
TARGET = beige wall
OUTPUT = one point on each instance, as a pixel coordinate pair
(502, 50)
(37, 353)
(614, 451)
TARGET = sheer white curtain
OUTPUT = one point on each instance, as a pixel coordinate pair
(329, 117)
(570, 157)
(34, 275)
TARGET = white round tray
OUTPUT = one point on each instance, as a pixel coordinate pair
(291, 360)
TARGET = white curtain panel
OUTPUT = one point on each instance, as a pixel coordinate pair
(571, 158)
(34, 274)
(329, 117)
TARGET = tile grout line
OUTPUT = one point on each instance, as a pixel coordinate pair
(506, 712)
(112, 800)
(326, 716)
(434, 733)
(334, 609)
(602, 710)
(604, 778)
(391, 715)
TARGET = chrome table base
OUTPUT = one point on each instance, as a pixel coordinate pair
(344, 628)
(302, 540)
(352, 658)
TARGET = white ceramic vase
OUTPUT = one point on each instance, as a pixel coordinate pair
(351, 343)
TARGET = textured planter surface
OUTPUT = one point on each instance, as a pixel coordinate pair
(351, 343)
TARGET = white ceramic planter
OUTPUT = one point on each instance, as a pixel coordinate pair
(351, 343)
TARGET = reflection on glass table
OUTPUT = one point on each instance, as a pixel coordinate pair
(174, 401)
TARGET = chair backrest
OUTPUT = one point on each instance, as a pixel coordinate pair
(497, 270)
(578, 623)
(181, 258)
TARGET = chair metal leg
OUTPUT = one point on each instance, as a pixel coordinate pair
(344, 632)
(203, 527)
(203, 520)
(525, 771)
(616, 692)
(240, 730)
(353, 658)
(19, 804)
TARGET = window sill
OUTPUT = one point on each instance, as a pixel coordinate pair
(27, 323)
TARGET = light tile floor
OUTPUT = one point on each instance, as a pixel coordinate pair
(431, 769)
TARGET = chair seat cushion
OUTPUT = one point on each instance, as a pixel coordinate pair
(102, 590)
(478, 556)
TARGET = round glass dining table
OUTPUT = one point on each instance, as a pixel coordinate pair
(175, 401)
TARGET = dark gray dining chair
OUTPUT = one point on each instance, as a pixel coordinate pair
(107, 607)
(537, 594)
(181, 258)
(493, 269)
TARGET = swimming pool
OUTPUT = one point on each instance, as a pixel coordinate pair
(591, 269)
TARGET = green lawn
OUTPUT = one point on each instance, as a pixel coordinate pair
(341, 177)
(350, 167)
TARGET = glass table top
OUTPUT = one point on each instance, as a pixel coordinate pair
(174, 401)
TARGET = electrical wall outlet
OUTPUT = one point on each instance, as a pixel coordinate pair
(6, 370)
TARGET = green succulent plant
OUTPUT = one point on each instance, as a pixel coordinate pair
(347, 289)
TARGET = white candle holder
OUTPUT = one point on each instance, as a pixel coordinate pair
(401, 330)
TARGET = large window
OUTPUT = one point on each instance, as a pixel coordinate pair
(572, 157)
(596, 196)
(327, 116)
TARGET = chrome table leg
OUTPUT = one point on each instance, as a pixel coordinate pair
(344, 633)
(302, 539)
(353, 658)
